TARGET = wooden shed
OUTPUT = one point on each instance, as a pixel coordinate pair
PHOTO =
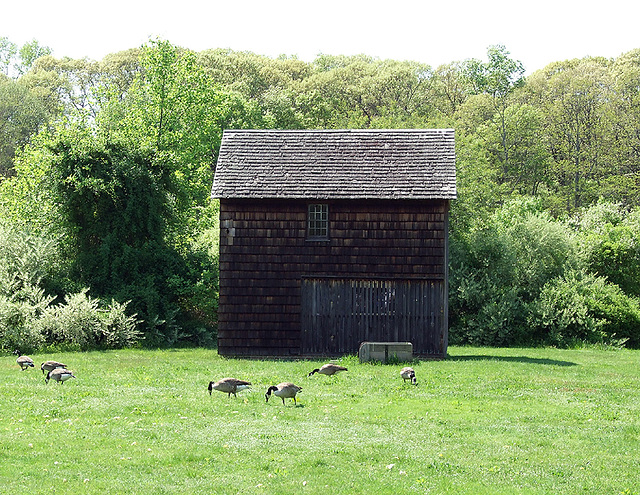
(333, 237)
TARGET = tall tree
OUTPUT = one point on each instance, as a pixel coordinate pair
(576, 98)
(624, 181)
(8, 52)
(498, 78)
(21, 114)
(174, 107)
(451, 87)
(29, 53)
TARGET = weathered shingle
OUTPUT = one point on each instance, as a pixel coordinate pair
(336, 164)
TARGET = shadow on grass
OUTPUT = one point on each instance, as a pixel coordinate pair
(512, 359)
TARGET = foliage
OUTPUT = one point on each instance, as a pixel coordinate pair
(498, 269)
(114, 200)
(29, 53)
(582, 307)
(22, 113)
(611, 247)
(28, 321)
(25, 261)
(81, 324)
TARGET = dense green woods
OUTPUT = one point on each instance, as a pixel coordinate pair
(107, 232)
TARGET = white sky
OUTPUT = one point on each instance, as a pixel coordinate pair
(433, 32)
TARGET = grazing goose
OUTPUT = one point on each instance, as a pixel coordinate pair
(59, 375)
(283, 390)
(229, 386)
(328, 369)
(408, 374)
(51, 365)
(24, 361)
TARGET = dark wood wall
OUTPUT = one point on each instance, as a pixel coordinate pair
(264, 254)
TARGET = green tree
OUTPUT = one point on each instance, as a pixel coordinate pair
(624, 183)
(21, 115)
(175, 108)
(610, 244)
(362, 92)
(112, 199)
(576, 99)
(8, 51)
(29, 53)
(498, 78)
(498, 269)
(517, 134)
(451, 87)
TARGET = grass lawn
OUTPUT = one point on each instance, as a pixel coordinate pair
(496, 421)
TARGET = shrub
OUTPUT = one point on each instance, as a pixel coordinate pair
(24, 260)
(499, 269)
(585, 307)
(81, 324)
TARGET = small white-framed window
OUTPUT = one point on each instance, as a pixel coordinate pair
(318, 221)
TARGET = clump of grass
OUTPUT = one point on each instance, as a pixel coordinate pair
(481, 421)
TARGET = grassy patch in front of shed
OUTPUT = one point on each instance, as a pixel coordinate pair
(482, 421)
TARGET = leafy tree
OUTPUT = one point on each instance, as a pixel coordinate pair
(360, 91)
(575, 96)
(622, 183)
(176, 109)
(73, 82)
(113, 200)
(8, 51)
(21, 115)
(119, 71)
(498, 78)
(29, 53)
(516, 134)
(451, 87)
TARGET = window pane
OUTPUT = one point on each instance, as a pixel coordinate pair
(318, 220)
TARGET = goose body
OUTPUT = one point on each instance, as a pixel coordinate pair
(408, 374)
(24, 361)
(328, 369)
(285, 390)
(59, 374)
(51, 365)
(229, 386)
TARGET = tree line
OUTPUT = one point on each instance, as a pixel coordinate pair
(108, 164)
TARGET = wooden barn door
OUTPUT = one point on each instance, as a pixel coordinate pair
(338, 314)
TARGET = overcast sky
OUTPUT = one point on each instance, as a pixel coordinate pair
(432, 32)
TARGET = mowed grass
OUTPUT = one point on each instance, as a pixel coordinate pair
(497, 421)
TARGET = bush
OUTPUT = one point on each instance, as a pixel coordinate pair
(582, 307)
(24, 260)
(498, 269)
(81, 324)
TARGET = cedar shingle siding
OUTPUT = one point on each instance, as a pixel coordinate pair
(380, 273)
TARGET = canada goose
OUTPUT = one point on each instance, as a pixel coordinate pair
(229, 386)
(408, 374)
(51, 365)
(328, 369)
(59, 375)
(24, 361)
(283, 390)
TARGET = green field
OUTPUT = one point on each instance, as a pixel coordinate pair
(482, 421)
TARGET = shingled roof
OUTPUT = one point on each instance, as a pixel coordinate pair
(336, 164)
